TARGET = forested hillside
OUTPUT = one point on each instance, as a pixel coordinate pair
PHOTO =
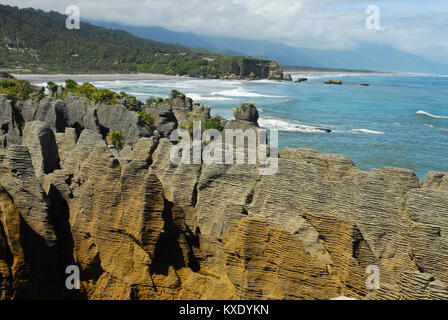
(38, 41)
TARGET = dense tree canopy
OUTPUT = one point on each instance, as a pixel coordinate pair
(39, 41)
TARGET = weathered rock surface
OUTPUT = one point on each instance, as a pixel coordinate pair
(141, 227)
(332, 166)
(10, 131)
(253, 69)
(246, 117)
(41, 143)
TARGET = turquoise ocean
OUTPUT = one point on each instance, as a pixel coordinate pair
(400, 120)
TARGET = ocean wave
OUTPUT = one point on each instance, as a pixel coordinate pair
(267, 81)
(241, 92)
(198, 97)
(431, 115)
(111, 84)
(228, 82)
(172, 85)
(142, 94)
(315, 76)
(368, 131)
(40, 84)
(283, 125)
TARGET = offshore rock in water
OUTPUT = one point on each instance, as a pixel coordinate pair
(318, 129)
(339, 82)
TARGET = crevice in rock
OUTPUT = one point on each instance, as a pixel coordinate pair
(94, 270)
(103, 131)
(59, 216)
(8, 257)
(167, 251)
(193, 241)
(61, 120)
(414, 261)
(5, 128)
(78, 129)
(248, 201)
(356, 245)
(149, 161)
(194, 195)
(43, 279)
(18, 118)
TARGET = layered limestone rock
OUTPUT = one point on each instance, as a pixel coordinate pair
(253, 69)
(139, 226)
(10, 130)
(246, 117)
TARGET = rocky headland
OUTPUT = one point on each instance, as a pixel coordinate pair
(140, 227)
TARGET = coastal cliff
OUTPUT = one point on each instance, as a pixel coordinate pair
(141, 227)
(253, 69)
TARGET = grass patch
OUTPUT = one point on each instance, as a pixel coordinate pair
(213, 124)
(15, 88)
(148, 119)
(115, 138)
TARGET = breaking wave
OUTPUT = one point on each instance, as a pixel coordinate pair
(431, 115)
(368, 131)
(241, 92)
(283, 125)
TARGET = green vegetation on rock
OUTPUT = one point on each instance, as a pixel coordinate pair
(89, 91)
(148, 119)
(213, 124)
(15, 88)
(115, 138)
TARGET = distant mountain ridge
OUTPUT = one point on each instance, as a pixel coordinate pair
(367, 56)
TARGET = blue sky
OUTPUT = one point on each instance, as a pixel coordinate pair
(418, 27)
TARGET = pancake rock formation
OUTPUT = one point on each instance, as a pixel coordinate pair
(141, 227)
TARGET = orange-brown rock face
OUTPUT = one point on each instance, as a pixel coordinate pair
(140, 227)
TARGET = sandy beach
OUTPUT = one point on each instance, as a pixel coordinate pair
(94, 77)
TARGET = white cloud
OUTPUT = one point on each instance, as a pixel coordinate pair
(413, 26)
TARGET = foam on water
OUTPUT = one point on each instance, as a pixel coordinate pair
(431, 115)
(198, 97)
(241, 92)
(283, 125)
(368, 131)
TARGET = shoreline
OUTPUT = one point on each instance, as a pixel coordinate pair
(96, 77)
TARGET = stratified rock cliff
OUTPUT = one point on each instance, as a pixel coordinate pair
(140, 227)
(255, 68)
